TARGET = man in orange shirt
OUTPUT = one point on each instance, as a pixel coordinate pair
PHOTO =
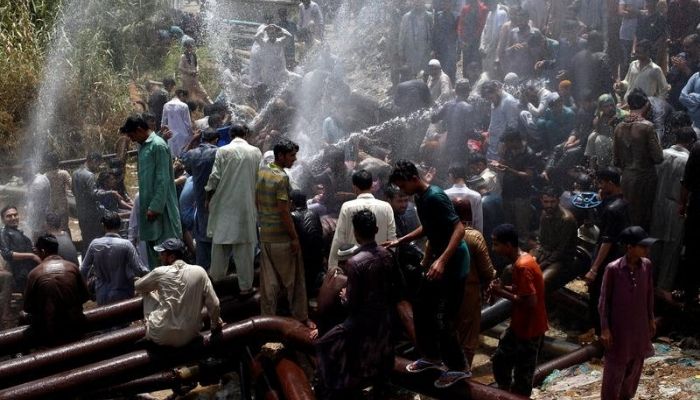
(516, 356)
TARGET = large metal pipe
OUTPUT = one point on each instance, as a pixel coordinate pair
(23, 369)
(143, 362)
(585, 353)
(495, 314)
(550, 345)
(294, 382)
(466, 389)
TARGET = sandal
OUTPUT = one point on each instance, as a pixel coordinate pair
(422, 364)
(449, 378)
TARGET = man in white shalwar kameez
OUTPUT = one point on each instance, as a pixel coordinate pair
(415, 38)
(268, 64)
(232, 215)
(666, 223)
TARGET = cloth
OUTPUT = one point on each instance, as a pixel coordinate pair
(518, 211)
(488, 44)
(460, 123)
(412, 95)
(592, 74)
(628, 27)
(308, 226)
(310, 15)
(678, 79)
(626, 307)
(282, 273)
(690, 98)
(415, 40)
(556, 126)
(272, 186)
(176, 116)
(199, 163)
(514, 362)
(189, 70)
(6, 284)
(666, 224)
(503, 116)
(537, 10)
(157, 192)
(520, 61)
(344, 232)
(360, 349)
(592, 14)
(515, 186)
(243, 257)
(60, 182)
(88, 210)
(156, 101)
(114, 263)
(445, 42)
(54, 298)
(472, 21)
(636, 150)
(558, 236)
(38, 204)
(621, 378)
(527, 323)
(459, 190)
(650, 78)
(12, 240)
(683, 18)
(173, 299)
(440, 88)
(268, 64)
(133, 233)
(438, 217)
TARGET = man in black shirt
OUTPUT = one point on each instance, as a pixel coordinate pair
(690, 207)
(16, 248)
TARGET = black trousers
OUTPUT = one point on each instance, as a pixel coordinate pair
(690, 273)
(514, 362)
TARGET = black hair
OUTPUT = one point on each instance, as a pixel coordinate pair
(489, 87)
(102, 179)
(168, 82)
(511, 135)
(238, 130)
(392, 191)
(53, 221)
(178, 254)
(148, 116)
(679, 119)
(506, 234)
(685, 135)
(334, 156)
(645, 45)
(111, 220)
(284, 146)
(551, 191)
(365, 224)
(192, 105)
(94, 156)
(608, 175)
(51, 160)
(362, 179)
(477, 158)
(298, 198)
(596, 41)
(6, 209)
(404, 170)
(457, 171)
(181, 92)
(48, 243)
(637, 99)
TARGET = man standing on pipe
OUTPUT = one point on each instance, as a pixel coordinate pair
(516, 356)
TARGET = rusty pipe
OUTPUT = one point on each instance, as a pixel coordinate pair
(585, 353)
(466, 389)
(143, 362)
(495, 314)
(151, 383)
(549, 345)
(294, 382)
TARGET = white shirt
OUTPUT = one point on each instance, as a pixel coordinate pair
(650, 78)
(503, 116)
(492, 29)
(311, 14)
(474, 197)
(344, 232)
(268, 64)
(176, 116)
(173, 299)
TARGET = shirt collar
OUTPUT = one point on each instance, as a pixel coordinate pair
(459, 186)
(112, 234)
(365, 196)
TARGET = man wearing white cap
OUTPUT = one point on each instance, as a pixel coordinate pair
(439, 83)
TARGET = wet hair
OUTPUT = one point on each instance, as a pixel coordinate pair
(685, 135)
(693, 39)
(111, 220)
(47, 243)
(645, 45)
(53, 221)
(148, 117)
(679, 119)
(334, 156)
(238, 130)
(365, 224)
(463, 86)
(511, 135)
(457, 171)
(404, 170)
(551, 191)
(102, 179)
(608, 175)
(168, 82)
(362, 179)
(284, 146)
(536, 39)
(392, 191)
(489, 87)
(94, 156)
(51, 160)
(477, 158)
(596, 41)
(637, 99)
(192, 105)
(506, 234)
(6, 209)
(298, 198)
(181, 93)
(116, 163)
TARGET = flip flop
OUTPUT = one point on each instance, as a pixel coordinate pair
(421, 365)
(449, 378)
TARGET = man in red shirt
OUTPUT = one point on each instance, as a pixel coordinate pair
(516, 356)
(472, 19)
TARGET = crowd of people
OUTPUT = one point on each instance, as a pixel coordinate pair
(560, 138)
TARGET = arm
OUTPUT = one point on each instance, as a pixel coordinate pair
(654, 148)
(215, 176)
(134, 265)
(288, 223)
(600, 257)
(391, 232)
(604, 305)
(86, 266)
(212, 303)
(689, 99)
(147, 283)
(437, 268)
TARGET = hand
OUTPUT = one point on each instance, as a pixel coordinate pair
(391, 243)
(539, 65)
(518, 46)
(652, 328)
(606, 338)
(216, 328)
(436, 270)
(590, 276)
(294, 246)
(151, 215)
(343, 294)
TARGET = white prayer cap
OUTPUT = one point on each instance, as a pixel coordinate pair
(434, 63)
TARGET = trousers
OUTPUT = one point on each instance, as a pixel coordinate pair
(620, 378)
(514, 362)
(282, 272)
(243, 257)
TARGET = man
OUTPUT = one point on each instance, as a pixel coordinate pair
(690, 99)
(113, 264)
(268, 64)
(86, 203)
(518, 57)
(54, 296)
(590, 69)
(310, 231)
(644, 74)
(438, 82)
(627, 315)
(445, 38)
(281, 269)
(17, 249)
(690, 208)
(60, 186)
(159, 217)
(636, 151)
(158, 97)
(459, 189)
(652, 26)
(683, 66)
(344, 370)
(630, 11)
(415, 38)
(472, 19)
(460, 124)
(310, 22)
(666, 224)
(488, 44)
(611, 218)
(188, 69)
(176, 117)
(173, 297)
(231, 196)
(556, 123)
(291, 27)
(599, 146)
(405, 215)
(446, 263)
(362, 186)
(558, 234)
(515, 358)
(198, 163)
(683, 19)
(504, 115)
(66, 248)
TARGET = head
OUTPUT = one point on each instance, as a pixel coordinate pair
(111, 221)
(637, 100)
(182, 94)
(434, 68)
(512, 141)
(520, 18)
(643, 50)
(606, 105)
(239, 131)
(188, 44)
(405, 176)
(463, 88)
(170, 251)
(550, 200)
(596, 42)
(418, 5)
(477, 164)
(397, 199)
(46, 245)
(364, 225)
(335, 159)
(504, 241)
(636, 241)
(570, 29)
(285, 152)
(106, 180)
(51, 161)
(608, 182)
(169, 84)
(210, 136)
(651, 5)
(361, 181)
(564, 88)
(136, 128)
(686, 137)
(473, 71)
(150, 119)
(10, 216)
(298, 199)
(491, 91)
(691, 45)
(457, 173)
(491, 4)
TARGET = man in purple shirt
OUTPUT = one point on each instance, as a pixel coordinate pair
(627, 315)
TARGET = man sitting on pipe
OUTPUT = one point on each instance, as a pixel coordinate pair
(173, 297)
